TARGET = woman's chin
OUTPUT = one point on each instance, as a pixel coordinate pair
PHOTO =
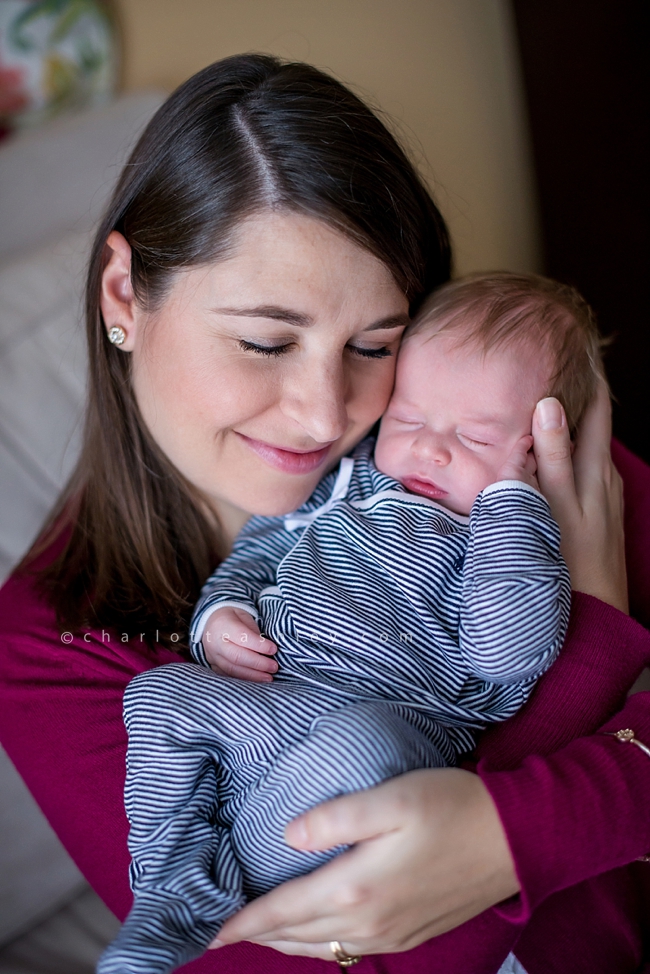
(270, 498)
(277, 506)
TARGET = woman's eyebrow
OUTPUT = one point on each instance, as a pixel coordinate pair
(392, 321)
(269, 311)
(302, 320)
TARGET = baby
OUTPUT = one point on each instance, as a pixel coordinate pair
(414, 598)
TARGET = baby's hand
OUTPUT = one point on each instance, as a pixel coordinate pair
(521, 464)
(234, 647)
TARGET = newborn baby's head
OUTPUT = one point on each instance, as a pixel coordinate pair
(474, 363)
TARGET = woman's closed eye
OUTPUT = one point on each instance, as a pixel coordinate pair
(264, 349)
(275, 350)
(383, 352)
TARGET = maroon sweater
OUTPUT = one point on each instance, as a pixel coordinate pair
(574, 802)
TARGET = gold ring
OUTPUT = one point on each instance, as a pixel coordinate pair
(342, 957)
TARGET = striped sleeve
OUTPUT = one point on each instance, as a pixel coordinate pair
(516, 587)
(250, 568)
(253, 562)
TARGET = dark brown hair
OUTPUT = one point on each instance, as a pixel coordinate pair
(246, 133)
(500, 308)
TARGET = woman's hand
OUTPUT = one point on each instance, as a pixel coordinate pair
(431, 854)
(586, 496)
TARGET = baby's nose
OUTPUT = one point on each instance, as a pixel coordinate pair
(432, 447)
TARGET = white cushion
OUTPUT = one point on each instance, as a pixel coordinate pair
(59, 177)
(42, 384)
(53, 184)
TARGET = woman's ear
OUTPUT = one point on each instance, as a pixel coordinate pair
(117, 302)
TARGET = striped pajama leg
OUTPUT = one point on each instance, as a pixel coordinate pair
(216, 768)
(349, 749)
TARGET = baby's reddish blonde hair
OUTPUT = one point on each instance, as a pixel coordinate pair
(498, 309)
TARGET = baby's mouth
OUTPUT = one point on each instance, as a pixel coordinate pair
(426, 488)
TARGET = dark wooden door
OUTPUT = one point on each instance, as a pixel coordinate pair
(585, 71)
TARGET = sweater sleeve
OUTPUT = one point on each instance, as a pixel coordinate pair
(61, 725)
(586, 808)
(574, 808)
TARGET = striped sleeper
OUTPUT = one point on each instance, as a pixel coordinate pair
(402, 629)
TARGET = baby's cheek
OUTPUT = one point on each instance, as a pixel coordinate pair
(487, 472)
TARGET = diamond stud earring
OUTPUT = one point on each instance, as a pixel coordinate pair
(116, 335)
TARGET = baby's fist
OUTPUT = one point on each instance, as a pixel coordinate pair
(234, 646)
(521, 464)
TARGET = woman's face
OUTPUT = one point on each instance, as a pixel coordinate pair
(261, 370)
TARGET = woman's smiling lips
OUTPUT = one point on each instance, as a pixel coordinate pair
(287, 460)
(424, 487)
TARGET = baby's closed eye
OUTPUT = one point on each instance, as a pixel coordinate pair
(470, 441)
(405, 420)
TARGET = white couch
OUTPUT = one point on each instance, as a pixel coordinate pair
(54, 183)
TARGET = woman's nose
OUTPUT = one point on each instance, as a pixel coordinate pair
(317, 402)
(432, 448)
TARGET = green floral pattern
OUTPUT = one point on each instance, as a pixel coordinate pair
(54, 55)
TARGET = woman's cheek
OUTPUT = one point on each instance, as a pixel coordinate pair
(371, 391)
(232, 392)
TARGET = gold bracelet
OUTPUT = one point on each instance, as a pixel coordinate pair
(627, 736)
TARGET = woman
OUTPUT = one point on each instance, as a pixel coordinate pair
(254, 273)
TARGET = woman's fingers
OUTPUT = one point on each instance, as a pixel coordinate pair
(336, 902)
(592, 458)
(343, 821)
(600, 568)
(294, 947)
(292, 904)
(585, 495)
(552, 446)
(300, 903)
(441, 858)
(323, 950)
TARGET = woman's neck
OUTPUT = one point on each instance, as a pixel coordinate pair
(231, 520)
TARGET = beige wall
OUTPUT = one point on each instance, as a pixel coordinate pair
(445, 70)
